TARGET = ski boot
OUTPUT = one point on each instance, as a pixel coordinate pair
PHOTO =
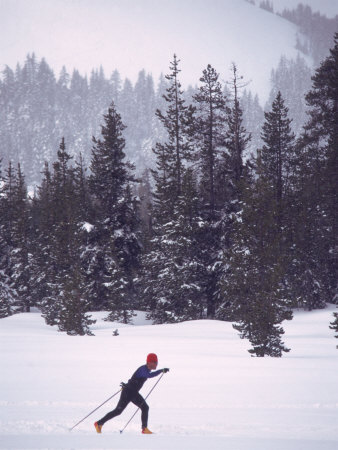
(98, 427)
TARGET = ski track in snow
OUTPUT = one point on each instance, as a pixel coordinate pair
(215, 396)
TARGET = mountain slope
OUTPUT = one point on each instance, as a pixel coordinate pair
(129, 35)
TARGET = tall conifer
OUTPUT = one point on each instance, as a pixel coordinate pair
(177, 150)
(318, 171)
(210, 135)
(113, 252)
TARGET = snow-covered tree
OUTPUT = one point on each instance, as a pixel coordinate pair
(255, 287)
(177, 150)
(334, 324)
(210, 136)
(8, 295)
(293, 79)
(115, 242)
(253, 292)
(237, 137)
(172, 289)
(316, 185)
(73, 305)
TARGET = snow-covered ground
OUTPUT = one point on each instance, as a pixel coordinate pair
(215, 396)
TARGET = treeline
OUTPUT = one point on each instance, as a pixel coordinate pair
(206, 233)
(37, 109)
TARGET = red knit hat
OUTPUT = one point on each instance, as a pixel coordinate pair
(152, 358)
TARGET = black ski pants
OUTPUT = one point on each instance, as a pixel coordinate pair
(127, 396)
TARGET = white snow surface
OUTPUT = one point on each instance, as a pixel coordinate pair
(215, 396)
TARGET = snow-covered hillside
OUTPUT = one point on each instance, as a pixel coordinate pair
(130, 35)
(215, 396)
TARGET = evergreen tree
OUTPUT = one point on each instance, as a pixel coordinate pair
(172, 287)
(256, 282)
(81, 189)
(317, 188)
(8, 295)
(115, 243)
(20, 255)
(43, 267)
(210, 133)
(277, 155)
(253, 292)
(15, 240)
(79, 112)
(145, 194)
(293, 78)
(334, 324)
(115, 87)
(275, 169)
(64, 302)
(253, 119)
(167, 267)
(236, 138)
(73, 306)
(232, 177)
(98, 98)
(177, 150)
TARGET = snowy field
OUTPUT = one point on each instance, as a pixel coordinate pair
(215, 396)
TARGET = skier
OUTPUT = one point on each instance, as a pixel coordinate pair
(130, 393)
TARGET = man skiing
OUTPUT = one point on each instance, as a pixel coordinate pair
(130, 393)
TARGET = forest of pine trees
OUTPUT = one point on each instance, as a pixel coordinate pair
(209, 231)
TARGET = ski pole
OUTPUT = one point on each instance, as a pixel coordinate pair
(95, 409)
(121, 431)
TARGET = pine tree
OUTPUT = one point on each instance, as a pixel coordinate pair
(225, 124)
(81, 189)
(253, 118)
(73, 306)
(276, 155)
(255, 281)
(177, 150)
(8, 295)
(334, 324)
(235, 174)
(210, 133)
(293, 78)
(318, 176)
(119, 305)
(20, 255)
(172, 289)
(144, 192)
(252, 288)
(15, 229)
(64, 302)
(237, 138)
(275, 169)
(115, 242)
(169, 282)
(43, 266)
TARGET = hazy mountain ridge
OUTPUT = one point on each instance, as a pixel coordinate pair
(39, 108)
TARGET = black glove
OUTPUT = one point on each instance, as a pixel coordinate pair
(165, 370)
(123, 385)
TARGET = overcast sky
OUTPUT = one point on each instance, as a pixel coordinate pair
(130, 34)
